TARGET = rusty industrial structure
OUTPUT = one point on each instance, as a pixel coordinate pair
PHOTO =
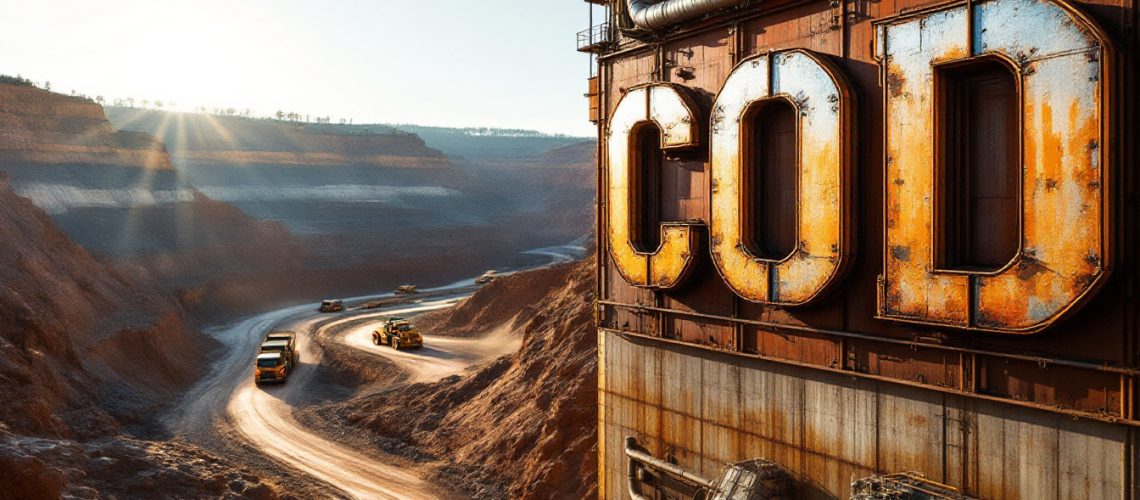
(881, 248)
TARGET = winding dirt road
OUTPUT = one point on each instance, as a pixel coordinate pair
(262, 415)
(440, 356)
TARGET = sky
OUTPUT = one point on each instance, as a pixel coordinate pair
(495, 63)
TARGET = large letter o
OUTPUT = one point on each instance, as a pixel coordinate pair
(823, 102)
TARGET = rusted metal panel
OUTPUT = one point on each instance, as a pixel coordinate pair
(718, 335)
(1060, 386)
(938, 368)
(812, 349)
(593, 95)
(684, 190)
(911, 432)
(1023, 457)
(681, 398)
(805, 26)
(1063, 253)
(823, 103)
(626, 73)
(1000, 416)
(702, 61)
(840, 423)
(771, 415)
(703, 292)
(675, 117)
(826, 429)
(1088, 466)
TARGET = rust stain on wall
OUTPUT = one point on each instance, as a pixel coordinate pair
(893, 367)
(673, 114)
(1064, 234)
(823, 103)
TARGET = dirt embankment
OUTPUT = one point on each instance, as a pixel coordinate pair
(233, 264)
(232, 140)
(85, 351)
(523, 426)
(511, 299)
(67, 320)
(37, 126)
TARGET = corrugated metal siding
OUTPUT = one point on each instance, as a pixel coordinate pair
(707, 410)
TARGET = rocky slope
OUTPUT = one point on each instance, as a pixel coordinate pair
(523, 426)
(86, 351)
(549, 198)
(37, 126)
(117, 193)
(570, 171)
(70, 320)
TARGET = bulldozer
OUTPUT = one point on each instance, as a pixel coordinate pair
(398, 333)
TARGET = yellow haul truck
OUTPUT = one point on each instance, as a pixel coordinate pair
(271, 367)
(277, 358)
(398, 333)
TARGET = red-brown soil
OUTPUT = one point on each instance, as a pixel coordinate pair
(84, 350)
(37, 126)
(523, 426)
(67, 321)
(33, 468)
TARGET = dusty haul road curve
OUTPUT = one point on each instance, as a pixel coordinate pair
(227, 402)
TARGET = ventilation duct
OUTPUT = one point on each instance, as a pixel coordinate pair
(657, 14)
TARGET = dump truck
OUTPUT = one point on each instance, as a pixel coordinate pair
(398, 333)
(289, 336)
(271, 367)
(276, 358)
(406, 289)
(287, 348)
(331, 305)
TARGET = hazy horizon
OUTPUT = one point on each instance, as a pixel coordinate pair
(371, 62)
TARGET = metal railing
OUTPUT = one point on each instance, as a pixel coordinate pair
(594, 36)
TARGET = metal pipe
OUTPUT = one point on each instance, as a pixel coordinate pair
(634, 454)
(631, 471)
(1046, 360)
(657, 14)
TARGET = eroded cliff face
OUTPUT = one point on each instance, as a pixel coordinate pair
(85, 350)
(67, 324)
(221, 140)
(37, 126)
(116, 193)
